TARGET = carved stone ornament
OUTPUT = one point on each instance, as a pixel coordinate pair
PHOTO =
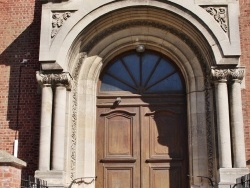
(58, 19)
(220, 15)
(237, 74)
(227, 74)
(54, 79)
(219, 74)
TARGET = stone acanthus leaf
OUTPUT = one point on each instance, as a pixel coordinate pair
(58, 19)
(54, 79)
(220, 15)
(227, 74)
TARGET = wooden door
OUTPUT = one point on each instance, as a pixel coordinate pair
(163, 148)
(141, 147)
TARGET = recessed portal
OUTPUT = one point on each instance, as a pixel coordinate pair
(141, 141)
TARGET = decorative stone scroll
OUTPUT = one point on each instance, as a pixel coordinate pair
(54, 79)
(220, 15)
(227, 74)
(58, 19)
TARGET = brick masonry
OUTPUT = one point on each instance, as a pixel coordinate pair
(10, 177)
(245, 61)
(19, 39)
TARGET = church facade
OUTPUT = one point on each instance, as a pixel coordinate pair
(130, 93)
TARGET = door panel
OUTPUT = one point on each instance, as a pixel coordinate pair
(118, 164)
(142, 147)
(164, 151)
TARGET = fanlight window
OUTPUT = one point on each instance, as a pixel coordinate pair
(144, 73)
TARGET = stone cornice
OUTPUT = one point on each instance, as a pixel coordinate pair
(54, 79)
(7, 159)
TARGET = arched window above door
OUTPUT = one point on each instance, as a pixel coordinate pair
(142, 73)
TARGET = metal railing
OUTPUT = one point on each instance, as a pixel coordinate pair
(32, 182)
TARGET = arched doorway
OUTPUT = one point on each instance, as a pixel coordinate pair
(141, 138)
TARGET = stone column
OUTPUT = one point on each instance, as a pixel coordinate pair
(61, 82)
(224, 144)
(46, 121)
(236, 116)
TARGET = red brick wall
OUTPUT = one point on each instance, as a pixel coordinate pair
(245, 60)
(10, 177)
(19, 39)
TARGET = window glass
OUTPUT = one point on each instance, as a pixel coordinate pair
(145, 73)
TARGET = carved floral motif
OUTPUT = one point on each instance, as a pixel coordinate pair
(227, 74)
(54, 79)
(74, 115)
(220, 15)
(58, 19)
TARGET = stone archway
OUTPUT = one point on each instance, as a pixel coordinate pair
(193, 47)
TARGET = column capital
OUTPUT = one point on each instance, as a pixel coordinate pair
(237, 74)
(52, 79)
(223, 75)
(219, 75)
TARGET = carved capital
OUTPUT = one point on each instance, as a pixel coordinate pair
(219, 75)
(54, 79)
(236, 74)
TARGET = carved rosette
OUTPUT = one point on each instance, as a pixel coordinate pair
(58, 19)
(220, 15)
(54, 79)
(219, 75)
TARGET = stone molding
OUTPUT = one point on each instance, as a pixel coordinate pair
(74, 107)
(220, 16)
(58, 19)
(7, 159)
(219, 75)
(54, 79)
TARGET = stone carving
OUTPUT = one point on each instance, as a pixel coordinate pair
(74, 116)
(58, 19)
(236, 74)
(54, 79)
(227, 74)
(219, 74)
(220, 15)
(209, 123)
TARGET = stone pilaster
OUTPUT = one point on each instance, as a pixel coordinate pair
(220, 77)
(236, 117)
(46, 122)
(54, 88)
(58, 152)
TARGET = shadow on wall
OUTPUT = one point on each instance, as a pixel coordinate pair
(19, 62)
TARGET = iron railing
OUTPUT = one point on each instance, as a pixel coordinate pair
(32, 182)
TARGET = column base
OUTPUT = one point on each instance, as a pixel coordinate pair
(228, 176)
(53, 178)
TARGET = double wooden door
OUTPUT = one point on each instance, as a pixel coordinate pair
(141, 147)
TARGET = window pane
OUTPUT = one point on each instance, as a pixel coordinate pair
(158, 75)
(111, 84)
(119, 71)
(171, 84)
(133, 64)
(148, 63)
(163, 69)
